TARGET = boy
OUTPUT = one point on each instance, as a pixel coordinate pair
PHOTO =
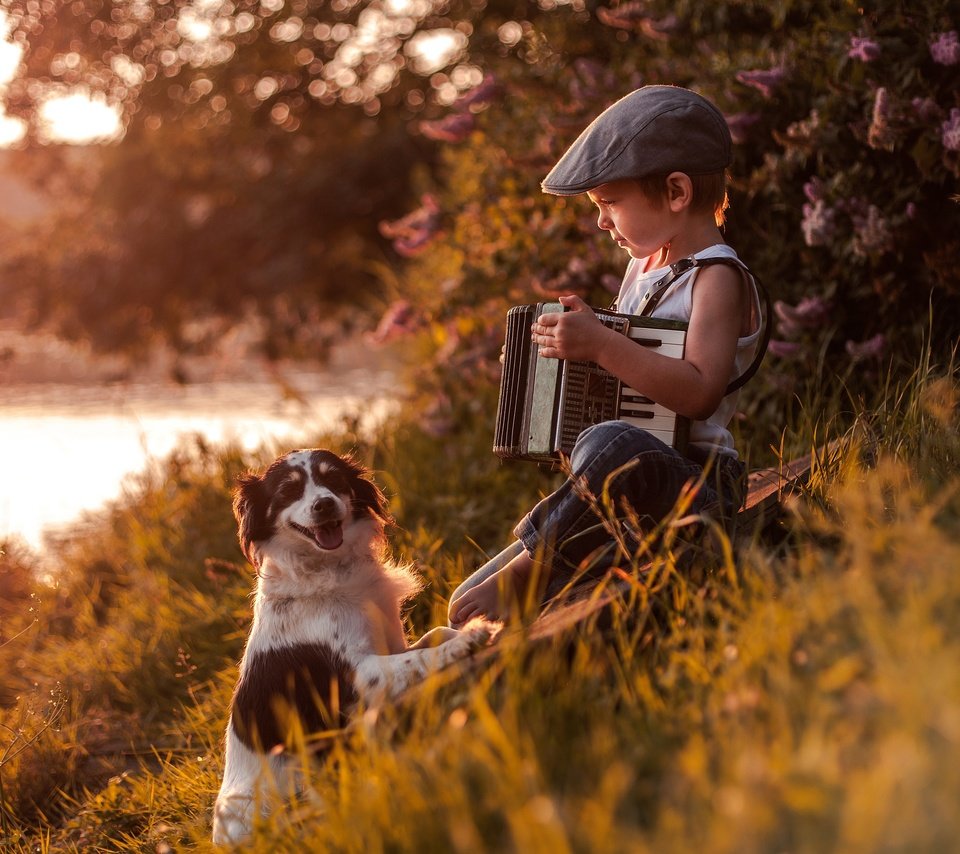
(654, 165)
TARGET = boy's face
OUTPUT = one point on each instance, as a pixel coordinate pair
(639, 224)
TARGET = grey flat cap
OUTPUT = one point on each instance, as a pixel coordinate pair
(653, 129)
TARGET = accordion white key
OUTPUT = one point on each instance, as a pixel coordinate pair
(546, 403)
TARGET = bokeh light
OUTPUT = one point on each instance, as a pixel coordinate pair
(78, 117)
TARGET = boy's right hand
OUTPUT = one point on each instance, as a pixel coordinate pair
(573, 334)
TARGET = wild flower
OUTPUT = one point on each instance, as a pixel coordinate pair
(764, 80)
(800, 135)
(864, 49)
(398, 320)
(479, 96)
(809, 313)
(818, 224)
(784, 349)
(453, 128)
(624, 16)
(945, 48)
(880, 135)
(739, 125)
(872, 348)
(950, 131)
(634, 15)
(871, 232)
(815, 189)
(414, 232)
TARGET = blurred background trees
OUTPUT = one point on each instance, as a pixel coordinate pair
(273, 151)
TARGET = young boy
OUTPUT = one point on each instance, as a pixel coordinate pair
(654, 164)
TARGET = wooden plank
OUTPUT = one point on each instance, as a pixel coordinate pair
(766, 489)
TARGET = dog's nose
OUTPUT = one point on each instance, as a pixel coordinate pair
(326, 505)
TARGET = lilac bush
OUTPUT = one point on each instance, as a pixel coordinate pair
(847, 158)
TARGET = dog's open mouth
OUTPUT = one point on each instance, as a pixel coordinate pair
(328, 536)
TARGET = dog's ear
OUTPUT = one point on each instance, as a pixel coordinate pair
(367, 496)
(250, 508)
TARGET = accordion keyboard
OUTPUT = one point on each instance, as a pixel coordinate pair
(636, 409)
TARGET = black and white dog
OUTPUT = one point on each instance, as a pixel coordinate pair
(327, 632)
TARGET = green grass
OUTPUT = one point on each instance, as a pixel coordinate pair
(798, 695)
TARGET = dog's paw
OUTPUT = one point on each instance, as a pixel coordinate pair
(479, 632)
(232, 819)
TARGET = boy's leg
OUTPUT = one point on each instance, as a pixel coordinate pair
(625, 462)
(632, 467)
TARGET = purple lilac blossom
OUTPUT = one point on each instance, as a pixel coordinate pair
(864, 49)
(784, 349)
(871, 233)
(412, 233)
(950, 131)
(945, 48)
(815, 189)
(634, 15)
(872, 348)
(398, 320)
(809, 313)
(880, 135)
(764, 80)
(480, 95)
(739, 125)
(818, 224)
(453, 128)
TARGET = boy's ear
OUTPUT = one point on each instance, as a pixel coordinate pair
(679, 191)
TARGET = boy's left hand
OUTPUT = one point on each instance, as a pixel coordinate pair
(573, 334)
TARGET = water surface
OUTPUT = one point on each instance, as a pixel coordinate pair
(66, 446)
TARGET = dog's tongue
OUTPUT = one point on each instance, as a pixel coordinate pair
(329, 536)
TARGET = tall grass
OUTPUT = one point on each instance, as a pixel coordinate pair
(802, 695)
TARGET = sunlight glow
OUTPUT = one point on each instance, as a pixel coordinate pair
(79, 118)
(12, 130)
(191, 25)
(10, 56)
(431, 50)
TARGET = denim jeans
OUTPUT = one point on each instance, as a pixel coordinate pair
(629, 466)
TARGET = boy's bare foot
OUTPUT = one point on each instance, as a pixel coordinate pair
(500, 595)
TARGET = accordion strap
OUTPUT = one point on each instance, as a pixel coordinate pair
(685, 265)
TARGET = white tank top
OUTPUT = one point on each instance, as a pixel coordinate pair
(711, 434)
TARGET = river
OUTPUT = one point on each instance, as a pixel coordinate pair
(69, 435)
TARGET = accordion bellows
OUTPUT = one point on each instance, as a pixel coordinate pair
(546, 403)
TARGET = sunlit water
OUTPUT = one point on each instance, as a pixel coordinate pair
(65, 449)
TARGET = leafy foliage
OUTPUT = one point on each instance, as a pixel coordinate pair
(843, 194)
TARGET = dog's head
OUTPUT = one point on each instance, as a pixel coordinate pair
(310, 499)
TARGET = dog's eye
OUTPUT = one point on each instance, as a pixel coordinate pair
(335, 482)
(291, 488)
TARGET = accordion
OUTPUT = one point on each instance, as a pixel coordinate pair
(546, 403)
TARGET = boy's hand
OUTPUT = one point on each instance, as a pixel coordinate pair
(574, 334)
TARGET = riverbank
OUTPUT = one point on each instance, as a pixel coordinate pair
(73, 424)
